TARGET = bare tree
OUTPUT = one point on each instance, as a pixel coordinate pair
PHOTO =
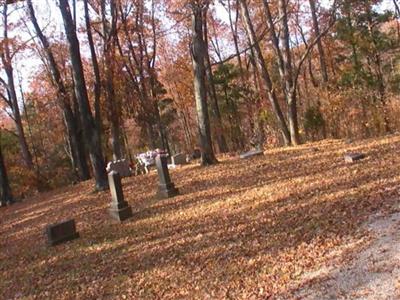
(198, 49)
(96, 70)
(89, 127)
(139, 63)
(5, 190)
(9, 84)
(219, 130)
(264, 71)
(321, 53)
(77, 148)
(109, 32)
(289, 70)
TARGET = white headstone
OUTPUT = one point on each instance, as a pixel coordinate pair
(352, 157)
(251, 153)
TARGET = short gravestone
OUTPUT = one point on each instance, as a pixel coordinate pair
(348, 141)
(251, 153)
(119, 209)
(178, 159)
(61, 232)
(352, 157)
(166, 187)
(119, 166)
(196, 154)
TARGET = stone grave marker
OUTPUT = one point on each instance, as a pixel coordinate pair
(119, 209)
(348, 141)
(251, 153)
(166, 187)
(178, 159)
(61, 232)
(119, 166)
(196, 154)
(352, 157)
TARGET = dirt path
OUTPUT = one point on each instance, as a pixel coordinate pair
(373, 273)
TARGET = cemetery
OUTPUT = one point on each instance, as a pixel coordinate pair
(199, 149)
(241, 229)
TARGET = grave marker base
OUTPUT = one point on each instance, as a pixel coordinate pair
(120, 214)
(167, 191)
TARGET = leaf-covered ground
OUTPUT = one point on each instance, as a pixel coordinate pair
(243, 229)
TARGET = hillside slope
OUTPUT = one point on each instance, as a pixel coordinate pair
(243, 229)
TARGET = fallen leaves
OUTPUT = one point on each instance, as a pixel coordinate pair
(240, 229)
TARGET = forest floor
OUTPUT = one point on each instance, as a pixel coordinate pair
(295, 223)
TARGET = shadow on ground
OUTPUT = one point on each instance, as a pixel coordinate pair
(240, 229)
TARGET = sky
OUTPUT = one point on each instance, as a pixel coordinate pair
(50, 19)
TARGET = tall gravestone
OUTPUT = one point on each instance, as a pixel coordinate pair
(119, 208)
(166, 187)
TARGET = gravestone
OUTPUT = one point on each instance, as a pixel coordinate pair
(348, 141)
(251, 153)
(166, 187)
(61, 232)
(119, 166)
(196, 154)
(352, 157)
(179, 159)
(119, 208)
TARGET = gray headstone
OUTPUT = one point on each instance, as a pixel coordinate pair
(352, 157)
(179, 159)
(196, 154)
(61, 232)
(119, 166)
(348, 141)
(251, 153)
(119, 208)
(166, 187)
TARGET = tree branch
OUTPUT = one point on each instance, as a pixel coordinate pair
(311, 46)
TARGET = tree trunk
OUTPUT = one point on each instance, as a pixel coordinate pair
(233, 26)
(379, 72)
(96, 71)
(160, 125)
(319, 43)
(109, 32)
(290, 91)
(5, 190)
(198, 56)
(8, 68)
(219, 129)
(151, 135)
(113, 113)
(81, 149)
(77, 149)
(264, 72)
(89, 126)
